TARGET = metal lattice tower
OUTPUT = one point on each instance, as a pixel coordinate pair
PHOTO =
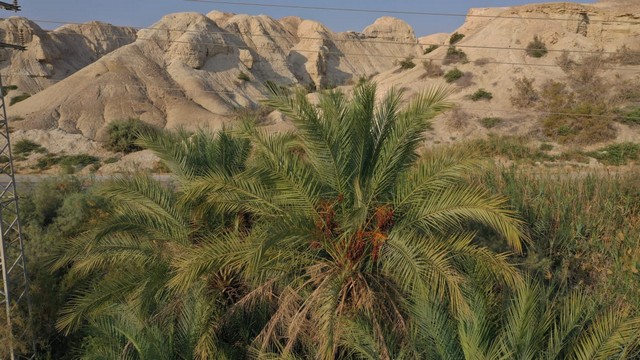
(14, 288)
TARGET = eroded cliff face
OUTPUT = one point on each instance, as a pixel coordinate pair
(192, 70)
(54, 55)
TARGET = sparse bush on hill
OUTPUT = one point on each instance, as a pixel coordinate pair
(25, 147)
(482, 62)
(629, 116)
(123, 134)
(537, 48)
(626, 56)
(455, 56)
(430, 49)
(70, 163)
(432, 69)
(453, 75)
(481, 94)
(617, 154)
(17, 99)
(407, 64)
(455, 38)
(565, 62)
(490, 122)
(6, 89)
(242, 76)
(524, 95)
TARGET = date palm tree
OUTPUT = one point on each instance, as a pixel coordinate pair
(527, 322)
(349, 224)
(121, 267)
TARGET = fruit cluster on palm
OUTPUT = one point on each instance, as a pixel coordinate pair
(335, 240)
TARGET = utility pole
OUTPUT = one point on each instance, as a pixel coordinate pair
(14, 288)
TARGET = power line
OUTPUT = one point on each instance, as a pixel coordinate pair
(400, 12)
(361, 41)
(425, 58)
(487, 110)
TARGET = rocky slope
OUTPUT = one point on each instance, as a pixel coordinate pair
(192, 70)
(213, 65)
(52, 56)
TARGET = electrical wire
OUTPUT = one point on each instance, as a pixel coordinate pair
(366, 41)
(400, 12)
(486, 110)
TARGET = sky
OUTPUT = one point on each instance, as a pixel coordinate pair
(144, 13)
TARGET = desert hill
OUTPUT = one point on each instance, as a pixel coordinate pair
(192, 70)
(54, 55)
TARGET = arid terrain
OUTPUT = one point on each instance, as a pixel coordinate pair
(193, 71)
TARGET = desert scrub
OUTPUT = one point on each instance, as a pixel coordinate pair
(25, 147)
(17, 99)
(455, 38)
(629, 116)
(626, 56)
(453, 75)
(122, 135)
(617, 154)
(431, 69)
(6, 89)
(537, 48)
(490, 122)
(242, 76)
(73, 162)
(455, 56)
(512, 148)
(583, 229)
(407, 64)
(430, 49)
(482, 62)
(524, 95)
(481, 94)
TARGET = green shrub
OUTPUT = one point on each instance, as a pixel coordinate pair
(630, 116)
(546, 147)
(430, 49)
(537, 48)
(4, 159)
(242, 76)
(453, 75)
(455, 38)
(122, 135)
(455, 56)
(6, 89)
(17, 99)
(584, 229)
(68, 162)
(407, 64)
(617, 154)
(111, 160)
(481, 94)
(25, 147)
(490, 122)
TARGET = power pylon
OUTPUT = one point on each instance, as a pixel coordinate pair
(14, 289)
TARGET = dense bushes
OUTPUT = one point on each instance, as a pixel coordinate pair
(123, 134)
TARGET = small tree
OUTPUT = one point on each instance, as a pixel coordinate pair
(537, 48)
(455, 38)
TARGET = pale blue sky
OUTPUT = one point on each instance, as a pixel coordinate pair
(147, 12)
